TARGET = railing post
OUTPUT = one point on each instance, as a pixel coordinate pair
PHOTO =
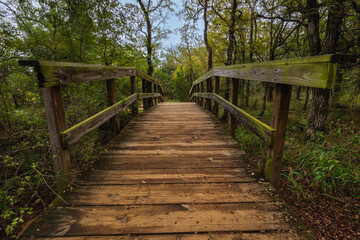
(56, 123)
(110, 86)
(155, 98)
(216, 90)
(234, 100)
(149, 90)
(278, 122)
(202, 90)
(208, 90)
(145, 106)
(134, 109)
(161, 93)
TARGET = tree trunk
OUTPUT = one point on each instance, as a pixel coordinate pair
(208, 47)
(149, 47)
(298, 93)
(264, 100)
(229, 53)
(320, 97)
(306, 98)
(337, 87)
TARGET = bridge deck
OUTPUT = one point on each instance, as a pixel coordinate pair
(172, 174)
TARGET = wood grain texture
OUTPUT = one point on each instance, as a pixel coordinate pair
(61, 73)
(263, 131)
(159, 181)
(276, 235)
(56, 123)
(314, 71)
(73, 134)
(279, 121)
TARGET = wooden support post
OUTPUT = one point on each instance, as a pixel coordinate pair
(234, 100)
(145, 106)
(216, 90)
(56, 124)
(162, 94)
(208, 90)
(111, 92)
(202, 90)
(155, 98)
(279, 121)
(149, 90)
(134, 109)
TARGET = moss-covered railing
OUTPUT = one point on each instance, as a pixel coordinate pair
(53, 75)
(317, 72)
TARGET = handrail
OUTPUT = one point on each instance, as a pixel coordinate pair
(263, 131)
(62, 73)
(316, 71)
(53, 75)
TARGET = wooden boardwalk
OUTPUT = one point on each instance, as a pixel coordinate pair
(172, 174)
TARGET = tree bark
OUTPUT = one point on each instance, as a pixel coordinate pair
(149, 47)
(306, 98)
(320, 97)
(298, 93)
(208, 47)
(264, 100)
(229, 53)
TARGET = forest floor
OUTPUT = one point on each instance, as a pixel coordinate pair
(320, 179)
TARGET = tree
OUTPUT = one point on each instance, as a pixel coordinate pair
(320, 97)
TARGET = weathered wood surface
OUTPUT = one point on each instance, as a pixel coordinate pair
(315, 71)
(56, 121)
(169, 191)
(263, 131)
(73, 134)
(61, 73)
(198, 236)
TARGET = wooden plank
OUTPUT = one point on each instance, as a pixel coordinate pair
(279, 122)
(148, 95)
(314, 71)
(262, 130)
(234, 100)
(171, 152)
(113, 162)
(152, 176)
(56, 123)
(150, 219)
(73, 134)
(111, 94)
(198, 236)
(145, 194)
(60, 73)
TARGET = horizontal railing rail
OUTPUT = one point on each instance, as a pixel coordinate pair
(317, 71)
(53, 75)
(263, 131)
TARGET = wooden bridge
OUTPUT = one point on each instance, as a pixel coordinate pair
(173, 172)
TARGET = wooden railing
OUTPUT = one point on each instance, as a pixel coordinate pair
(53, 75)
(318, 72)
